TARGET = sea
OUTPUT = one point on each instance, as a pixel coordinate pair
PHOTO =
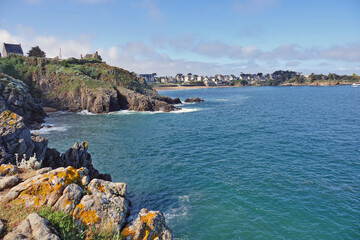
(248, 163)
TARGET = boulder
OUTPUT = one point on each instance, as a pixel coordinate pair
(177, 100)
(69, 199)
(33, 227)
(191, 100)
(147, 225)
(8, 182)
(15, 96)
(106, 203)
(44, 189)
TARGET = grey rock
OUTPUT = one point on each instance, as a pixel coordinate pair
(17, 139)
(106, 203)
(15, 96)
(1, 227)
(8, 182)
(150, 224)
(69, 199)
(33, 227)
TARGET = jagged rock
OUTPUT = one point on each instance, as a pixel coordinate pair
(33, 227)
(70, 198)
(44, 189)
(106, 203)
(147, 225)
(77, 157)
(15, 138)
(1, 227)
(8, 182)
(177, 100)
(8, 170)
(15, 96)
(191, 100)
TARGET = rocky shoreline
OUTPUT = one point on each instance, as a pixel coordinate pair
(65, 182)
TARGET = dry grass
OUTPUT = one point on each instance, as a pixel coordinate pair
(12, 215)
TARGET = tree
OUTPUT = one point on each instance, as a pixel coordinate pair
(36, 52)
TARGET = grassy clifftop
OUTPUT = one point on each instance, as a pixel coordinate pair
(71, 73)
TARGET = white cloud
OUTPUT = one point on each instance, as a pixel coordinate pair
(49, 44)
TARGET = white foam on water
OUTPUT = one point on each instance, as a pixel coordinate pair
(85, 112)
(129, 112)
(48, 128)
(221, 100)
(186, 110)
(180, 212)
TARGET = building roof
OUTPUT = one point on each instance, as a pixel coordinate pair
(13, 48)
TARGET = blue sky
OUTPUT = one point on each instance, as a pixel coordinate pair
(202, 37)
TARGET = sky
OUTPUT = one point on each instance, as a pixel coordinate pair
(203, 37)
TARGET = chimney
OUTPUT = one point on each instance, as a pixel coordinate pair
(80, 56)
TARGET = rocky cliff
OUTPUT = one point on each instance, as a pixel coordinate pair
(66, 183)
(15, 96)
(76, 85)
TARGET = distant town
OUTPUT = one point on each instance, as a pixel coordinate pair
(219, 79)
(244, 79)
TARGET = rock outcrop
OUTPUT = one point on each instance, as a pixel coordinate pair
(17, 140)
(191, 100)
(95, 203)
(17, 143)
(147, 225)
(15, 96)
(33, 227)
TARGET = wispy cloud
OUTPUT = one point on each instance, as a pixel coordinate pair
(151, 7)
(252, 6)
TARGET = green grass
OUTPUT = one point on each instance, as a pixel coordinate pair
(64, 224)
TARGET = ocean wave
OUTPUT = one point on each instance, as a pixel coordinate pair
(186, 110)
(48, 128)
(85, 112)
(129, 112)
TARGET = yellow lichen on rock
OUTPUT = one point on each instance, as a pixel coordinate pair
(87, 217)
(8, 169)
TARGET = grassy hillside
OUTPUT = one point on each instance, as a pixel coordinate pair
(71, 73)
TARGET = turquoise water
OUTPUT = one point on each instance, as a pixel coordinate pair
(248, 163)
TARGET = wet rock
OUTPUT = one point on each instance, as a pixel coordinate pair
(191, 100)
(15, 96)
(105, 203)
(177, 101)
(147, 225)
(8, 182)
(33, 227)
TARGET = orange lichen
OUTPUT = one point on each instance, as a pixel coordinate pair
(51, 184)
(126, 232)
(147, 228)
(87, 217)
(148, 219)
(5, 169)
(100, 187)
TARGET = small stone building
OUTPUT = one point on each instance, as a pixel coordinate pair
(9, 49)
(94, 55)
